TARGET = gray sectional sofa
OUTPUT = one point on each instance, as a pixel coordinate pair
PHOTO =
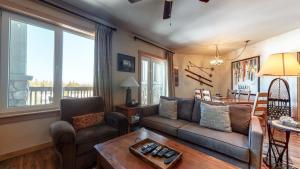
(242, 147)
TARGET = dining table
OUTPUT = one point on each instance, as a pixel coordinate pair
(228, 101)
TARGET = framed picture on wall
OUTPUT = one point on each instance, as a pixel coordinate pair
(244, 74)
(126, 63)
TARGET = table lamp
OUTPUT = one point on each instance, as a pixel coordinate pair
(128, 83)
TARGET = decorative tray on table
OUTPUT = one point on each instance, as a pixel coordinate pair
(155, 154)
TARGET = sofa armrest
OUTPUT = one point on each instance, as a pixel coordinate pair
(117, 120)
(255, 143)
(149, 110)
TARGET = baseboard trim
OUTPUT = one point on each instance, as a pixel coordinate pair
(25, 151)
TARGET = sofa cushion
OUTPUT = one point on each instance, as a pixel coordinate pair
(162, 124)
(215, 117)
(168, 108)
(88, 137)
(185, 109)
(240, 116)
(231, 144)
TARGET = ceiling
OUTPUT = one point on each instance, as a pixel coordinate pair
(196, 27)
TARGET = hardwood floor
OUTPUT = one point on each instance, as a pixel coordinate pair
(45, 159)
(42, 159)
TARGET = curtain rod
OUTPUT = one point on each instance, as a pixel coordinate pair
(153, 44)
(77, 14)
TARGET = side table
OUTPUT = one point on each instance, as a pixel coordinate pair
(279, 147)
(132, 114)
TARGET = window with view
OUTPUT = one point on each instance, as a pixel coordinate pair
(78, 65)
(42, 63)
(31, 58)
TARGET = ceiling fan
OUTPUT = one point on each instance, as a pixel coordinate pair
(167, 7)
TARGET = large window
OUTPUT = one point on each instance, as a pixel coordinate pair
(153, 80)
(78, 65)
(42, 63)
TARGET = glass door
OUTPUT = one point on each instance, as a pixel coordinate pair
(145, 79)
(153, 80)
(158, 80)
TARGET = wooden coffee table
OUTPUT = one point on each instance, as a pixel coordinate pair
(114, 154)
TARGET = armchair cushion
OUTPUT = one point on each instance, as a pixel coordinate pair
(86, 138)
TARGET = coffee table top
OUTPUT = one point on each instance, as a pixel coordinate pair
(115, 153)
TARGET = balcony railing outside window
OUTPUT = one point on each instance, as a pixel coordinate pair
(44, 95)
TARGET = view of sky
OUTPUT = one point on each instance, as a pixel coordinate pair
(78, 56)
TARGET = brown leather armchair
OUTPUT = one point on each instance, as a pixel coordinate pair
(75, 149)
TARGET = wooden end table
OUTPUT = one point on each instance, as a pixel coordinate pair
(115, 154)
(132, 114)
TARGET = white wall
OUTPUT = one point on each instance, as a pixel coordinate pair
(187, 85)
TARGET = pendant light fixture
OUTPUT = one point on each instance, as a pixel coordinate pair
(217, 59)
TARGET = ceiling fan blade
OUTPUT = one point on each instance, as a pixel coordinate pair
(167, 9)
(204, 1)
(133, 1)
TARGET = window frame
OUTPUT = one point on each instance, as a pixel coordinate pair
(57, 62)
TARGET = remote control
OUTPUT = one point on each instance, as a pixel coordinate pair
(170, 159)
(146, 146)
(162, 152)
(150, 149)
(170, 154)
(154, 152)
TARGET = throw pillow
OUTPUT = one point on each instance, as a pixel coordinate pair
(240, 116)
(215, 117)
(185, 109)
(87, 120)
(168, 109)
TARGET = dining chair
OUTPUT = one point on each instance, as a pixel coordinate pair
(260, 109)
(231, 94)
(198, 94)
(244, 94)
(206, 95)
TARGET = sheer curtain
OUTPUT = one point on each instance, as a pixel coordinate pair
(103, 65)
(171, 83)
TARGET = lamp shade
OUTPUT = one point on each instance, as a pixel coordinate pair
(282, 64)
(129, 82)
